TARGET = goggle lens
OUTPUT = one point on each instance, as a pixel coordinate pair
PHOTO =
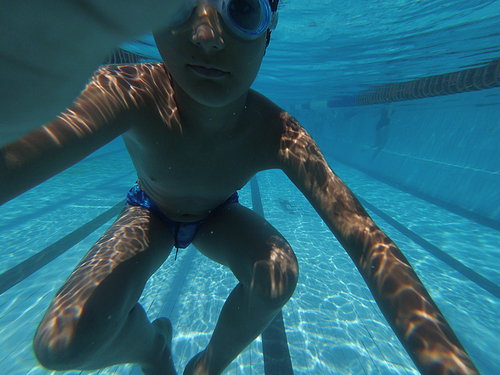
(247, 14)
(248, 19)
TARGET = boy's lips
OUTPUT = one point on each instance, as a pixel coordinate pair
(208, 71)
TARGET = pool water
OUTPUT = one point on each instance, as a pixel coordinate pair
(333, 326)
(433, 186)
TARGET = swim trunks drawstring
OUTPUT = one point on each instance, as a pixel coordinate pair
(177, 227)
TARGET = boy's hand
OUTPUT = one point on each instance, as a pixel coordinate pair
(49, 49)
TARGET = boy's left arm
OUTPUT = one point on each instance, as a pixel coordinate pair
(399, 293)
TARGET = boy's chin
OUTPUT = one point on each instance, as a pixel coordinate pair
(218, 98)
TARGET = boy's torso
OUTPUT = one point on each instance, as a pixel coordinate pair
(188, 172)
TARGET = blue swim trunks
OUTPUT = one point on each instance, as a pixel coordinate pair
(183, 232)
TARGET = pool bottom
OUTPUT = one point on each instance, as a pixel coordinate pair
(332, 323)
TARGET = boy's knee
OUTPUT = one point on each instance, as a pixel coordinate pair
(58, 343)
(54, 341)
(53, 351)
(275, 279)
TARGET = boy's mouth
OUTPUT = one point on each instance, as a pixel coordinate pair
(208, 72)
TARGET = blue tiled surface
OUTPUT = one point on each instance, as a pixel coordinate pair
(332, 322)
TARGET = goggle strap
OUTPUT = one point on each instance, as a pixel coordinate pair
(274, 20)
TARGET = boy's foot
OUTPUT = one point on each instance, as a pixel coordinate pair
(191, 366)
(165, 364)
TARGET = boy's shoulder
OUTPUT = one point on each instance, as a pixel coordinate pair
(270, 111)
(264, 113)
(264, 106)
(146, 86)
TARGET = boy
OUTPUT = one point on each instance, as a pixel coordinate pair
(196, 134)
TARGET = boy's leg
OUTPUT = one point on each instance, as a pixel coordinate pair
(94, 320)
(267, 269)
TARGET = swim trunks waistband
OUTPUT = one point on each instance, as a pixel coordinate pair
(183, 232)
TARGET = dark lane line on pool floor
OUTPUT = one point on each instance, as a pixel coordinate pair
(18, 273)
(274, 341)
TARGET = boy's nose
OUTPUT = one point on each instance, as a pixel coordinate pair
(207, 29)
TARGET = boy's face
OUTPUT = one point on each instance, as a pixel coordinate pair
(209, 62)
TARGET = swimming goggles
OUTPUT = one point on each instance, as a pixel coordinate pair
(248, 19)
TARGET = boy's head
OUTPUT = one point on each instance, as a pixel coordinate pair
(215, 47)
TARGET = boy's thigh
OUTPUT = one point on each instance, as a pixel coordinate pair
(240, 239)
(137, 242)
(110, 278)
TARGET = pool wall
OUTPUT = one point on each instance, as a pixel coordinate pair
(447, 148)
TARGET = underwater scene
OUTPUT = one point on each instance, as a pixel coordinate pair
(403, 99)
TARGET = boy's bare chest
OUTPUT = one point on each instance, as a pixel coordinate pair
(209, 161)
(207, 166)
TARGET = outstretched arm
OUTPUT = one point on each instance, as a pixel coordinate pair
(404, 301)
(99, 115)
(49, 49)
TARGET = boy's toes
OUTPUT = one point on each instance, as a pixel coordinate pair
(191, 366)
(165, 364)
(164, 326)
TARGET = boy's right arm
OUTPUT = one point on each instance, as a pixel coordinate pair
(99, 115)
(49, 49)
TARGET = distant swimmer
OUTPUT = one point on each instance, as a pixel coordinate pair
(381, 131)
(197, 133)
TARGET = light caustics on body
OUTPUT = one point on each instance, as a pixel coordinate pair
(400, 294)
